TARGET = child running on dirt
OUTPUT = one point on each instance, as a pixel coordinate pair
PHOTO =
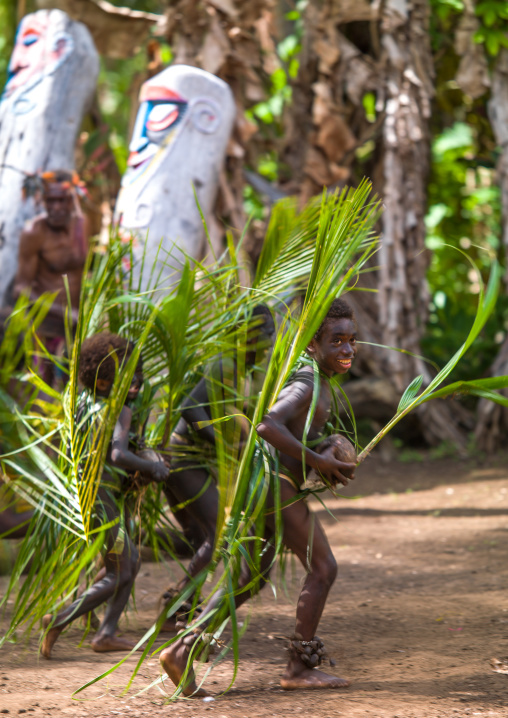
(191, 490)
(333, 348)
(100, 356)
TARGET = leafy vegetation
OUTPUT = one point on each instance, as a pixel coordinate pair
(178, 338)
(493, 32)
(8, 22)
(464, 213)
(463, 220)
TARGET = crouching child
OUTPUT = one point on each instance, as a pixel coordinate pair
(101, 356)
(283, 428)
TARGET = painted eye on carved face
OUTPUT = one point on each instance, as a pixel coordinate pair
(30, 38)
(160, 111)
(163, 116)
(153, 122)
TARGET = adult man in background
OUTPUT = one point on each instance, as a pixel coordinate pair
(52, 253)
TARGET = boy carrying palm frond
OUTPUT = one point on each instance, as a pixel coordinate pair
(101, 356)
(284, 427)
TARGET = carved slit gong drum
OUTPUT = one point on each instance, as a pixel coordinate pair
(177, 149)
(53, 72)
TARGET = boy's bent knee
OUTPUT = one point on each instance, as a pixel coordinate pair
(326, 571)
(135, 566)
(125, 577)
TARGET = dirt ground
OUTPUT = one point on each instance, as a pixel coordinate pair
(419, 610)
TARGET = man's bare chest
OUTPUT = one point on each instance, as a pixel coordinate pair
(58, 254)
(321, 416)
(312, 421)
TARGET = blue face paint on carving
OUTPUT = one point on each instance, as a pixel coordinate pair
(30, 39)
(39, 49)
(156, 119)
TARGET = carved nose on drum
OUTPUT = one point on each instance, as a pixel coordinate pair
(138, 144)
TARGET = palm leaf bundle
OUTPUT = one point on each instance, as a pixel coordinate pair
(308, 259)
(324, 249)
(243, 482)
(178, 336)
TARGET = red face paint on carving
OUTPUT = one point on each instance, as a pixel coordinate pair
(29, 54)
(160, 111)
(38, 50)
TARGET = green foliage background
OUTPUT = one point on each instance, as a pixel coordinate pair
(464, 213)
(8, 24)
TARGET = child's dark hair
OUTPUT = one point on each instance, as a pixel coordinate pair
(96, 360)
(339, 309)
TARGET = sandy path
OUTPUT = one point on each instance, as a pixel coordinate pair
(417, 613)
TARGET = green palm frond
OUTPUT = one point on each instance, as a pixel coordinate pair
(486, 303)
(484, 388)
(329, 242)
(309, 257)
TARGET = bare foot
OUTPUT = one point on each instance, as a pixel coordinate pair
(174, 662)
(104, 644)
(49, 639)
(311, 678)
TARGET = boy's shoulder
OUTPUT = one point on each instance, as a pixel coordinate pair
(303, 375)
(299, 387)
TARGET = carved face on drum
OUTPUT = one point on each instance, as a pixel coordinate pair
(176, 153)
(176, 97)
(160, 112)
(41, 46)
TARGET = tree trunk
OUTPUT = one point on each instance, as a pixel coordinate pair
(402, 289)
(353, 51)
(53, 80)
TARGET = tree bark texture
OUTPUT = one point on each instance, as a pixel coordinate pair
(52, 81)
(352, 50)
(117, 32)
(472, 74)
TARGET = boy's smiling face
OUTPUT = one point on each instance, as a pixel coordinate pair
(335, 349)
